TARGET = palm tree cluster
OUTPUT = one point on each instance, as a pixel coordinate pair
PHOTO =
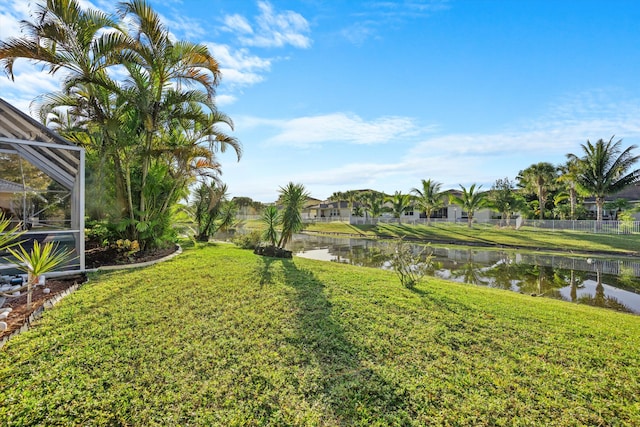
(603, 169)
(287, 220)
(141, 103)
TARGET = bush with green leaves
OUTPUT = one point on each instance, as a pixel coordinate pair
(248, 240)
(410, 264)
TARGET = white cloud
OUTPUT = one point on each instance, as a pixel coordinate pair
(375, 15)
(238, 58)
(272, 28)
(223, 100)
(336, 127)
(9, 26)
(451, 158)
(239, 67)
(237, 23)
(359, 32)
(553, 135)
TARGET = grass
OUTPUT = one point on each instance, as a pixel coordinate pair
(219, 336)
(525, 238)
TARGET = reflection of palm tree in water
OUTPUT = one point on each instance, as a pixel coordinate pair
(574, 286)
(504, 272)
(599, 299)
(471, 272)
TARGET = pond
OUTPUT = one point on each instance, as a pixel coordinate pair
(605, 282)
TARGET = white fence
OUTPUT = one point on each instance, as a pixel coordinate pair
(585, 226)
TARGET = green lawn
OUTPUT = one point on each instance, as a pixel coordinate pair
(220, 336)
(526, 238)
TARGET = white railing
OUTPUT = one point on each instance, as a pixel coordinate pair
(585, 226)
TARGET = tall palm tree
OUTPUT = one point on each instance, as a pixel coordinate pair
(470, 201)
(606, 169)
(127, 122)
(429, 198)
(539, 178)
(293, 197)
(400, 203)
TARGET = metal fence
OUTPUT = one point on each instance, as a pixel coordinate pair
(585, 226)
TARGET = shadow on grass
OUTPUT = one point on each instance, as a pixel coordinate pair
(347, 384)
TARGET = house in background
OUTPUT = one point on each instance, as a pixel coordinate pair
(631, 194)
(319, 209)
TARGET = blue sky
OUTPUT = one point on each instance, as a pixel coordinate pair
(341, 95)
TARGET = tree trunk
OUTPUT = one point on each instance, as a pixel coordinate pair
(599, 207)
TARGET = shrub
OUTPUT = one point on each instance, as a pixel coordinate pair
(247, 241)
(410, 265)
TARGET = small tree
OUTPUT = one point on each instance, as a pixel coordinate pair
(271, 218)
(470, 201)
(373, 202)
(400, 203)
(410, 266)
(504, 199)
(429, 198)
(293, 197)
(41, 260)
(540, 179)
(212, 210)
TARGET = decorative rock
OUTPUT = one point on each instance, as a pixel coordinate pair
(4, 315)
(3, 326)
(16, 294)
(46, 291)
(5, 288)
(7, 309)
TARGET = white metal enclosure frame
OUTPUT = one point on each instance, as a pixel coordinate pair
(61, 160)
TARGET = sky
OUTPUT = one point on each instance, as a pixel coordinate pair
(346, 95)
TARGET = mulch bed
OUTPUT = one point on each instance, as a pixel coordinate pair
(95, 257)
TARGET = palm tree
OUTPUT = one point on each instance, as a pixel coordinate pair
(208, 205)
(373, 202)
(605, 169)
(351, 196)
(271, 219)
(568, 179)
(470, 201)
(293, 197)
(130, 126)
(504, 199)
(400, 203)
(539, 179)
(429, 198)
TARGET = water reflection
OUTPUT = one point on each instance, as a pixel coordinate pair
(604, 283)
